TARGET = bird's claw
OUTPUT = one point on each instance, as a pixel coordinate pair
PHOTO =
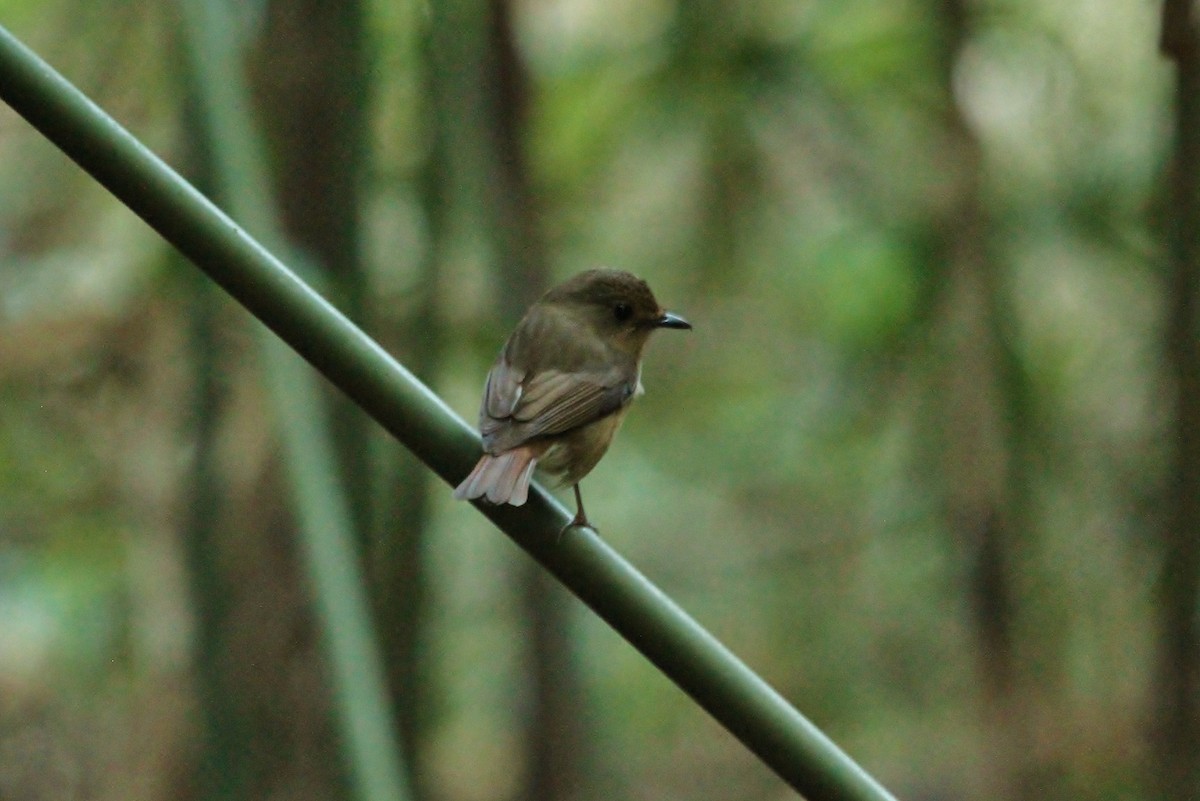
(578, 521)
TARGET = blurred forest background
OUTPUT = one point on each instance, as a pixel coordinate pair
(929, 462)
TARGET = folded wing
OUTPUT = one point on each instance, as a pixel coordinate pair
(518, 406)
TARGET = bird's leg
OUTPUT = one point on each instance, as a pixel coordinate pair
(580, 518)
(580, 515)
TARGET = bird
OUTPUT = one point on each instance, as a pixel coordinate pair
(562, 384)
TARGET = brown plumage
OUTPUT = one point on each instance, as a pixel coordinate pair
(561, 385)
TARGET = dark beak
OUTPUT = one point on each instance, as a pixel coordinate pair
(669, 320)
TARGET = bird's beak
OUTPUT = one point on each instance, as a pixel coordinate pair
(669, 320)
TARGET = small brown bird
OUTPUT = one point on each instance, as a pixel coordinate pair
(561, 385)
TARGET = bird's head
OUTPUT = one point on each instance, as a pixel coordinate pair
(616, 305)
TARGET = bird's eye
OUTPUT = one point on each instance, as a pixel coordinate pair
(622, 311)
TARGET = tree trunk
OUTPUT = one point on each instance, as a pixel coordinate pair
(1177, 692)
(981, 442)
(261, 684)
(310, 76)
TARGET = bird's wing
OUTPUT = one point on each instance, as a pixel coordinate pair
(518, 407)
(554, 402)
(503, 391)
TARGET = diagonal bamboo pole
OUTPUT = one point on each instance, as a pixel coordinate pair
(691, 657)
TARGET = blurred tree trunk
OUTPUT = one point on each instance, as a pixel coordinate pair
(262, 676)
(310, 76)
(512, 212)
(262, 684)
(313, 81)
(709, 66)
(980, 416)
(554, 738)
(1177, 706)
(262, 692)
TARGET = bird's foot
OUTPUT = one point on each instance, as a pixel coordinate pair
(578, 521)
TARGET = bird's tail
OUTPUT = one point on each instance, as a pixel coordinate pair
(502, 479)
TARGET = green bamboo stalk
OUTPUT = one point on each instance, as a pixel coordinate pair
(741, 701)
(361, 701)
